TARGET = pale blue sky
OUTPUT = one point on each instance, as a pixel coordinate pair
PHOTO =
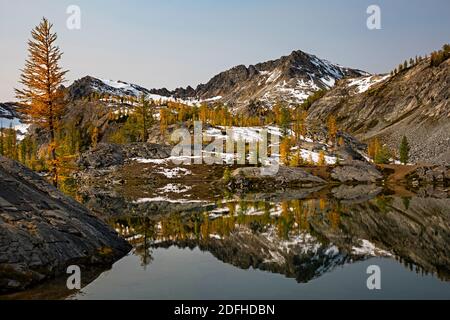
(172, 43)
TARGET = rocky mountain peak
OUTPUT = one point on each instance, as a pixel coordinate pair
(291, 78)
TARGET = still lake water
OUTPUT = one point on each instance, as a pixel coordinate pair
(191, 274)
(283, 249)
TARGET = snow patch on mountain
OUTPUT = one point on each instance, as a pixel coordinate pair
(247, 134)
(365, 83)
(303, 75)
(125, 89)
(328, 81)
(308, 155)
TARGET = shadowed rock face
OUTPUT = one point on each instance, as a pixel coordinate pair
(42, 231)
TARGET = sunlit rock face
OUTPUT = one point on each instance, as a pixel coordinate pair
(413, 103)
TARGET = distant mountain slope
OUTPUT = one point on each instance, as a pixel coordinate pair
(290, 78)
(10, 118)
(86, 86)
(8, 110)
(414, 102)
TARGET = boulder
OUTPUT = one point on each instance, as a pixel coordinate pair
(356, 171)
(252, 179)
(42, 231)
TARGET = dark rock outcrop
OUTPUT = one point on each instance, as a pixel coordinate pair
(42, 231)
(106, 155)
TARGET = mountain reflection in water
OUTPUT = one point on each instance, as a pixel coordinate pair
(303, 239)
(290, 245)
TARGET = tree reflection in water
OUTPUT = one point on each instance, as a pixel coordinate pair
(304, 238)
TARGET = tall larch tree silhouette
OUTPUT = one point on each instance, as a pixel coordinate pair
(145, 116)
(41, 79)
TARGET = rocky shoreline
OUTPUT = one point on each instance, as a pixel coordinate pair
(42, 231)
(109, 167)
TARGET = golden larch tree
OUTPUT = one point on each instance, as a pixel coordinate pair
(296, 159)
(321, 161)
(145, 116)
(285, 150)
(310, 160)
(332, 128)
(41, 78)
(373, 148)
